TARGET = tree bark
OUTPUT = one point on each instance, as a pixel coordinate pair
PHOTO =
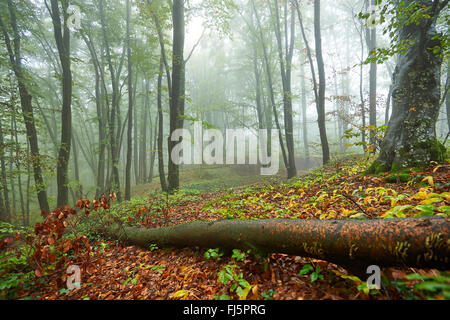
(177, 89)
(321, 90)
(285, 68)
(113, 112)
(410, 139)
(304, 118)
(130, 112)
(62, 39)
(352, 244)
(4, 197)
(162, 175)
(371, 39)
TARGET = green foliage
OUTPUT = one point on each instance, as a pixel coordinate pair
(268, 294)
(230, 274)
(377, 132)
(394, 16)
(159, 268)
(213, 254)
(315, 273)
(238, 255)
(432, 287)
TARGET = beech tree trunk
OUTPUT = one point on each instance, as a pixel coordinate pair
(320, 104)
(130, 112)
(410, 139)
(177, 89)
(352, 244)
(62, 39)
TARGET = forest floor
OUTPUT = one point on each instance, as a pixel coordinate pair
(339, 191)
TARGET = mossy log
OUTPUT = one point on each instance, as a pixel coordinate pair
(352, 244)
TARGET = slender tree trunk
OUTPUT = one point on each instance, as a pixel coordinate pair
(304, 118)
(26, 104)
(153, 154)
(143, 137)
(113, 112)
(162, 175)
(62, 38)
(5, 209)
(136, 140)
(371, 44)
(18, 166)
(79, 191)
(321, 91)
(270, 85)
(177, 89)
(447, 97)
(285, 68)
(130, 112)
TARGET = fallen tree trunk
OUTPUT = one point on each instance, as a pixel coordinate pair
(352, 244)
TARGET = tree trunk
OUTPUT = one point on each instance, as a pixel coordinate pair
(79, 191)
(162, 175)
(410, 139)
(285, 68)
(62, 39)
(353, 244)
(371, 45)
(447, 98)
(270, 86)
(177, 88)
(321, 90)
(113, 112)
(4, 197)
(130, 112)
(304, 118)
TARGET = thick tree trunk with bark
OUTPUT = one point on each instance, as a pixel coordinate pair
(411, 136)
(353, 244)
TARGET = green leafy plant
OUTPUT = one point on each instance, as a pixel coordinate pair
(159, 268)
(431, 287)
(238, 255)
(231, 274)
(315, 274)
(268, 294)
(213, 254)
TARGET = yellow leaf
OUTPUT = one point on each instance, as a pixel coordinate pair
(181, 294)
(429, 179)
(255, 291)
(245, 293)
(346, 212)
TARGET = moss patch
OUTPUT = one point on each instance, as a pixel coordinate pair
(403, 177)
